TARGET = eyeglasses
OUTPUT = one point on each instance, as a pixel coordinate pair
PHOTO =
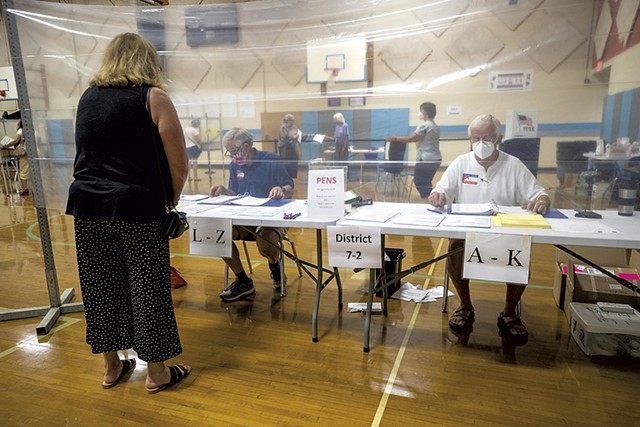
(475, 139)
(233, 152)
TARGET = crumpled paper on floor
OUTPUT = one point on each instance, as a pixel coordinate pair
(409, 292)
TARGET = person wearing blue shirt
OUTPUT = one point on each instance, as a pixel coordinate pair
(341, 137)
(259, 174)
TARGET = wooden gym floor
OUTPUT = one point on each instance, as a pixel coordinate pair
(254, 362)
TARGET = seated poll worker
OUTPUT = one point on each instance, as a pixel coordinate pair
(487, 175)
(260, 174)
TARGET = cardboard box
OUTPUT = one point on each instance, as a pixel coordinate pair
(560, 284)
(610, 257)
(604, 333)
(592, 287)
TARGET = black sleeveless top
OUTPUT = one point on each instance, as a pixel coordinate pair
(118, 159)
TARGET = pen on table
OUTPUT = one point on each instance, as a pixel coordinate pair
(435, 211)
(291, 216)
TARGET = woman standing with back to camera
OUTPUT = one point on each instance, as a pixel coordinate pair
(124, 152)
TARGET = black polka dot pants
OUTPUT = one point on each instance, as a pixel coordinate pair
(126, 289)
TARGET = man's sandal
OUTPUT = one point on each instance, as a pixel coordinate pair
(467, 315)
(509, 329)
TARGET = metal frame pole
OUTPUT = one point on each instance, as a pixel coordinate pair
(57, 304)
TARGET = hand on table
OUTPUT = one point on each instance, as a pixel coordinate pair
(539, 205)
(219, 190)
(437, 199)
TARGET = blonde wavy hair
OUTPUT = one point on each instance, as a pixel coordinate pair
(129, 59)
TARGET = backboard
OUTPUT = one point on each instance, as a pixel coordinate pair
(8, 90)
(335, 60)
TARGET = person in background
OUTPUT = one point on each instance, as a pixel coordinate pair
(118, 200)
(341, 137)
(194, 147)
(259, 174)
(487, 175)
(20, 151)
(289, 144)
(428, 157)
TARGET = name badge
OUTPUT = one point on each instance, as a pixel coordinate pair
(240, 175)
(469, 178)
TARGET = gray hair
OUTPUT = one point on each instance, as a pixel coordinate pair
(288, 118)
(338, 117)
(237, 137)
(485, 120)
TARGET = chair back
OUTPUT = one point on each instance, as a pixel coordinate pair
(394, 153)
(525, 149)
(569, 154)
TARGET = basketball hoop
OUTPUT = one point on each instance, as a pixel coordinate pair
(333, 75)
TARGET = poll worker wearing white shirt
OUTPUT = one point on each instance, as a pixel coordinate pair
(487, 175)
(194, 147)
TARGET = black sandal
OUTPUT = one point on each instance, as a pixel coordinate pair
(128, 365)
(178, 373)
(506, 329)
(468, 317)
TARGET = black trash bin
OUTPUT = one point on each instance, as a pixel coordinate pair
(392, 264)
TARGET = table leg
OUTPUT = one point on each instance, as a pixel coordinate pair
(367, 316)
(372, 290)
(445, 285)
(336, 275)
(316, 306)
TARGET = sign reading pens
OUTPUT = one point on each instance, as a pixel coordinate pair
(354, 247)
(210, 236)
(325, 193)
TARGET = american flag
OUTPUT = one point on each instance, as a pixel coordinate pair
(524, 120)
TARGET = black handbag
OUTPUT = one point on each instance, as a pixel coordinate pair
(175, 223)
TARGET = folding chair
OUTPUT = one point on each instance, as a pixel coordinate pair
(393, 166)
(9, 168)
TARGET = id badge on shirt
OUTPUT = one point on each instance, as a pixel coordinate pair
(470, 178)
(240, 175)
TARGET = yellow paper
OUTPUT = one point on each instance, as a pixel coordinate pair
(520, 221)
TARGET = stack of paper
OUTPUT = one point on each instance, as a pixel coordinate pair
(192, 197)
(466, 221)
(371, 215)
(422, 220)
(473, 208)
(240, 200)
(520, 221)
(5, 140)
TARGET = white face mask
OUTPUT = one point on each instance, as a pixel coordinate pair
(421, 116)
(483, 149)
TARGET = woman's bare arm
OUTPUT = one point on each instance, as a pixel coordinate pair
(164, 115)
